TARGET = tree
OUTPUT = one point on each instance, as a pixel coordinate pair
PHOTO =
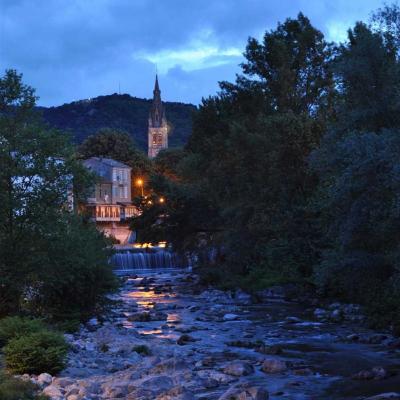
(244, 183)
(109, 143)
(368, 76)
(37, 174)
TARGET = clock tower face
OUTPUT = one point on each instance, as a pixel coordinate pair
(157, 139)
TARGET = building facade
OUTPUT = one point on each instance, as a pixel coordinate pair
(158, 124)
(110, 203)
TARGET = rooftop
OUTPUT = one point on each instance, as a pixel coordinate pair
(94, 162)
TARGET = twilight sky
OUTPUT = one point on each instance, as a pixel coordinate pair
(75, 49)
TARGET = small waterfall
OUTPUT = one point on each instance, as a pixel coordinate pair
(131, 259)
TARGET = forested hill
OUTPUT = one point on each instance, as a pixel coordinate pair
(85, 117)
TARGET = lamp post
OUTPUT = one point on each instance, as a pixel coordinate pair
(139, 182)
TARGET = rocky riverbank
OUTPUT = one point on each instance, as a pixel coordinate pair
(168, 341)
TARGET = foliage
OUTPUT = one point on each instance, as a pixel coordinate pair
(244, 182)
(15, 389)
(117, 145)
(118, 113)
(43, 266)
(167, 162)
(291, 174)
(12, 327)
(35, 353)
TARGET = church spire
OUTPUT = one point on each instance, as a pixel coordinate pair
(157, 110)
(156, 86)
(158, 125)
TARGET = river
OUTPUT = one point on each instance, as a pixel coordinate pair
(205, 343)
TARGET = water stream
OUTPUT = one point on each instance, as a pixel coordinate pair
(323, 361)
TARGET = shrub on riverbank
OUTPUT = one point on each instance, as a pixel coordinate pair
(13, 327)
(15, 389)
(38, 352)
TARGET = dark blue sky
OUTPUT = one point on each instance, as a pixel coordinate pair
(75, 49)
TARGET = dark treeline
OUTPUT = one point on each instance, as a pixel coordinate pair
(53, 262)
(292, 172)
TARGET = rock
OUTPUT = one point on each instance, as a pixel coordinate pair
(238, 368)
(377, 338)
(273, 366)
(336, 315)
(117, 391)
(320, 313)
(62, 382)
(176, 393)
(303, 371)
(245, 392)
(93, 322)
(185, 339)
(216, 376)
(168, 365)
(73, 397)
(242, 297)
(384, 396)
(230, 317)
(139, 317)
(274, 349)
(53, 392)
(376, 373)
(157, 384)
(292, 320)
(44, 379)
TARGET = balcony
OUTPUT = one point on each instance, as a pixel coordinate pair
(107, 213)
(131, 211)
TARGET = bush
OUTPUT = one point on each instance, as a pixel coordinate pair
(13, 327)
(35, 353)
(16, 389)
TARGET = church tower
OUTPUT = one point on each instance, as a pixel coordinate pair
(158, 126)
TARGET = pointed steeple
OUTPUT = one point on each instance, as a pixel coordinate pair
(157, 114)
(156, 86)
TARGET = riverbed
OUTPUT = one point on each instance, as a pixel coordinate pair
(168, 339)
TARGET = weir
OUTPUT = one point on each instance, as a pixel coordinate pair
(131, 259)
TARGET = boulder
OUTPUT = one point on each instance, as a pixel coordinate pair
(115, 391)
(168, 365)
(185, 339)
(385, 396)
(44, 379)
(245, 392)
(176, 393)
(273, 366)
(230, 317)
(157, 384)
(53, 392)
(238, 368)
(376, 373)
(215, 376)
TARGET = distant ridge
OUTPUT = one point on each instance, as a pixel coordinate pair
(119, 111)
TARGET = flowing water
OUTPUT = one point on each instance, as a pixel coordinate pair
(322, 360)
(130, 260)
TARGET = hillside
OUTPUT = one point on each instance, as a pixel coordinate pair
(85, 117)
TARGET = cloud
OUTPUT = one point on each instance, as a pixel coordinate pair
(77, 49)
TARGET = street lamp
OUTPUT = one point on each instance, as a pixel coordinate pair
(139, 182)
(162, 200)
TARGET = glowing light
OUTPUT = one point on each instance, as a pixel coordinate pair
(162, 200)
(139, 182)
